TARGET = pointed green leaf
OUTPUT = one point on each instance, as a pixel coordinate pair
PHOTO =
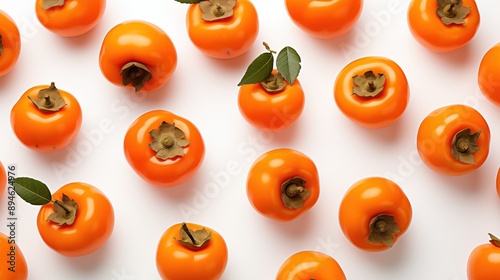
(258, 70)
(288, 64)
(189, 1)
(32, 191)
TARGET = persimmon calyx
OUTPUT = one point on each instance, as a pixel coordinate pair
(36, 192)
(274, 83)
(495, 241)
(135, 74)
(47, 4)
(168, 141)
(369, 84)
(452, 11)
(193, 239)
(65, 211)
(464, 145)
(216, 9)
(383, 229)
(49, 99)
(1, 45)
(294, 192)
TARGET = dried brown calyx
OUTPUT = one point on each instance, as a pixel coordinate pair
(368, 85)
(452, 11)
(47, 4)
(494, 240)
(193, 239)
(464, 145)
(49, 99)
(168, 141)
(216, 9)
(65, 211)
(135, 74)
(274, 83)
(383, 229)
(294, 192)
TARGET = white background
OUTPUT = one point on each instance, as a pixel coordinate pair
(452, 215)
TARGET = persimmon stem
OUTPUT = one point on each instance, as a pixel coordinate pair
(62, 206)
(449, 10)
(218, 10)
(168, 142)
(48, 102)
(381, 225)
(135, 74)
(293, 190)
(186, 230)
(463, 145)
(266, 45)
(371, 86)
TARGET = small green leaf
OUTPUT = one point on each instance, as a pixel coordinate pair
(189, 1)
(32, 191)
(288, 64)
(258, 70)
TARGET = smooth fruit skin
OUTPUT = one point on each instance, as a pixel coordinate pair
(436, 132)
(176, 262)
(306, 265)
(324, 19)
(45, 131)
(372, 112)
(142, 159)
(224, 38)
(138, 41)
(489, 75)
(269, 172)
(13, 264)
(484, 263)
(73, 18)
(428, 29)
(11, 41)
(93, 224)
(271, 111)
(366, 199)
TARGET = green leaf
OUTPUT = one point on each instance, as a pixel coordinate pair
(189, 1)
(32, 191)
(288, 64)
(258, 70)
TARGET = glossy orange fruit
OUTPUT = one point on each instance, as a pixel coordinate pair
(71, 18)
(374, 213)
(430, 31)
(10, 43)
(306, 265)
(178, 257)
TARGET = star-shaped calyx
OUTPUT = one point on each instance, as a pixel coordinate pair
(216, 9)
(49, 99)
(47, 4)
(452, 11)
(294, 192)
(193, 239)
(464, 145)
(64, 211)
(168, 141)
(368, 85)
(383, 229)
